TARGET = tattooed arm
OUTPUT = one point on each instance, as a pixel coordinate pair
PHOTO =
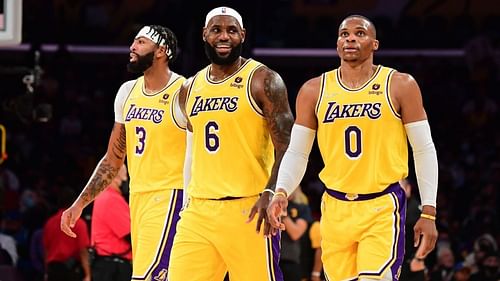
(104, 173)
(269, 91)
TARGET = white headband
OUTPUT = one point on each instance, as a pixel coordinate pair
(153, 35)
(148, 32)
(224, 11)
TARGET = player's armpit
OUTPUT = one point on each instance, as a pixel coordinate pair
(406, 97)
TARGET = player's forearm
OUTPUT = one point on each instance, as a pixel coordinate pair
(280, 132)
(271, 183)
(425, 158)
(103, 175)
(294, 164)
(429, 210)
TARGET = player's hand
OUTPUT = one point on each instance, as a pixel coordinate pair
(425, 237)
(69, 218)
(276, 210)
(417, 265)
(260, 207)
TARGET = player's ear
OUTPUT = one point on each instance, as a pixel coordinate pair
(204, 34)
(375, 45)
(243, 35)
(160, 51)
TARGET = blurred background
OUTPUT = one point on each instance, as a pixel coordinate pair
(58, 88)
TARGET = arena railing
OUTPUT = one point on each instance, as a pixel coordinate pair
(257, 52)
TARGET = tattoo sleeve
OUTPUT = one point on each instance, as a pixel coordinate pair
(119, 147)
(279, 118)
(108, 167)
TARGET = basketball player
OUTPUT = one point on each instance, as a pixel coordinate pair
(150, 132)
(362, 114)
(238, 118)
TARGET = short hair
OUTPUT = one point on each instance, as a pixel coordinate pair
(170, 40)
(366, 19)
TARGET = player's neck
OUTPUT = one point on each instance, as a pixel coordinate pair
(356, 75)
(219, 72)
(156, 79)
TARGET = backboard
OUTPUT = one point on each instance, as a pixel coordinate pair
(10, 22)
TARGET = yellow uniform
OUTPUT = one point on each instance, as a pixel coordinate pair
(232, 157)
(155, 142)
(363, 144)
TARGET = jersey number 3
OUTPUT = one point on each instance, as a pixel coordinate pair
(140, 132)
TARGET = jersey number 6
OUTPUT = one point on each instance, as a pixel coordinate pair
(211, 137)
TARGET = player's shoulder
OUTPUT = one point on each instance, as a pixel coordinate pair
(264, 70)
(127, 86)
(130, 82)
(311, 87)
(186, 84)
(402, 86)
(264, 78)
(312, 84)
(402, 79)
(177, 77)
(185, 88)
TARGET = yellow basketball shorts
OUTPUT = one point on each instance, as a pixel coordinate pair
(363, 238)
(154, 217)
(213, 238)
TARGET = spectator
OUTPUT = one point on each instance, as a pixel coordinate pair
(413, 268)
(488, 269)
(66, 258)
(483, 245)
(8, 250)
(110, 233)
(315, 237)
(296, 223)
(444, 270)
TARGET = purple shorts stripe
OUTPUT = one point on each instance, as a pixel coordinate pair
(163, 257)
(400, 197)
(273, 248)
(172, 219)
(397, 257)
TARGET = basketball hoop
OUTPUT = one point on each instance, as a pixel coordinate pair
(10, 22)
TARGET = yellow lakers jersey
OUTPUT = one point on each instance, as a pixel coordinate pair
(232, 149)
(361, 137)
(156, 143)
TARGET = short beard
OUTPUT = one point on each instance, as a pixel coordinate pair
(142, 63)
(216, 59)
